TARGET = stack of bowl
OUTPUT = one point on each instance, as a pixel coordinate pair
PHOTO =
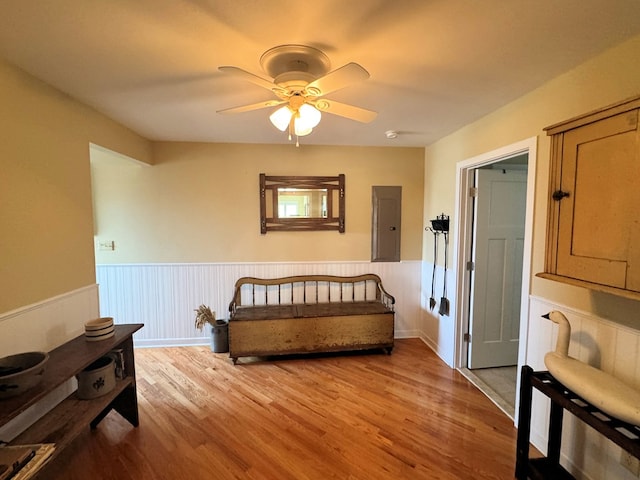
(99, 329)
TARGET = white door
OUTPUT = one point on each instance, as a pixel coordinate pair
(496, 280)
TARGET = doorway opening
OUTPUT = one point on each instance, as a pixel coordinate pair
(494, 212)
(109, 169)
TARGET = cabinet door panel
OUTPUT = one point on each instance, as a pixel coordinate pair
(599, 169)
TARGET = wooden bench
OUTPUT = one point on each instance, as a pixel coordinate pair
(309, 313)
(73, 416)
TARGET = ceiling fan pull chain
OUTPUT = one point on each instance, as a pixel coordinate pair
(291, 126)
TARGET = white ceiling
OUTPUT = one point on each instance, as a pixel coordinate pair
(435, 65)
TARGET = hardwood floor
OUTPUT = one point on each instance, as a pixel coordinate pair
(355, 416)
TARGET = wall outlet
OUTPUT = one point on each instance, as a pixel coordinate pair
(630, 462)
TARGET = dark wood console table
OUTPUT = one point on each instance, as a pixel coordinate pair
(623, 434)
(69, 418)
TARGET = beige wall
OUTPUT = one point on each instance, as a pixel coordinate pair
(199, 203)
(604, 327)
(608, 78)
(46, 246)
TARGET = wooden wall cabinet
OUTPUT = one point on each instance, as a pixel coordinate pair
(593, 234)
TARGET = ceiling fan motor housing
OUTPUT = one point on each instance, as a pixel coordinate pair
(294, 66)
(294, 81)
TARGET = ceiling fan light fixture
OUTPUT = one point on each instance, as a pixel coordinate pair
(301, 132)
(308, 116)
(281, 118)
(300, 122)
(305, 119)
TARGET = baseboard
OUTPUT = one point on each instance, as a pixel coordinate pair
(433, 347)
(171, 342)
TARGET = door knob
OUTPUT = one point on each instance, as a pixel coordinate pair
(559, 195)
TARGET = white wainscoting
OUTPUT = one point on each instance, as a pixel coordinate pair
(44, 326)
(49, 323)
(438, 331)
(164, 296)
(603, 344)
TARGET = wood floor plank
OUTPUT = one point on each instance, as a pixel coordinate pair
(349, 416)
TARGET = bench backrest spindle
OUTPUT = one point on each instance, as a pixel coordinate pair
(323, 289)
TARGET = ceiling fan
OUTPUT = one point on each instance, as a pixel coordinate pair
(301, 79)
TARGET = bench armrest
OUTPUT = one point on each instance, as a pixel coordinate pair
(385, 297)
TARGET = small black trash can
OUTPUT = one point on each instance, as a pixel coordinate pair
(220, 337)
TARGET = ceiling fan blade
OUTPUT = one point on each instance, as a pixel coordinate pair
(253, 106)
(339, 78)
(343, 110)
(255, 79)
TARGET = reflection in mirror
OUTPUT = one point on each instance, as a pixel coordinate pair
(301, 203)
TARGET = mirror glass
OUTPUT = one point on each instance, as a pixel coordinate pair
(302, 203)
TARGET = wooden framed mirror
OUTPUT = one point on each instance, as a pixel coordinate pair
(301, 203)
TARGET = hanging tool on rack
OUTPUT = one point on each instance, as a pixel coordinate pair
(444, 301)
(432, 300)
(439, 225)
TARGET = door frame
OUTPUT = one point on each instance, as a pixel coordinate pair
(462, 243)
